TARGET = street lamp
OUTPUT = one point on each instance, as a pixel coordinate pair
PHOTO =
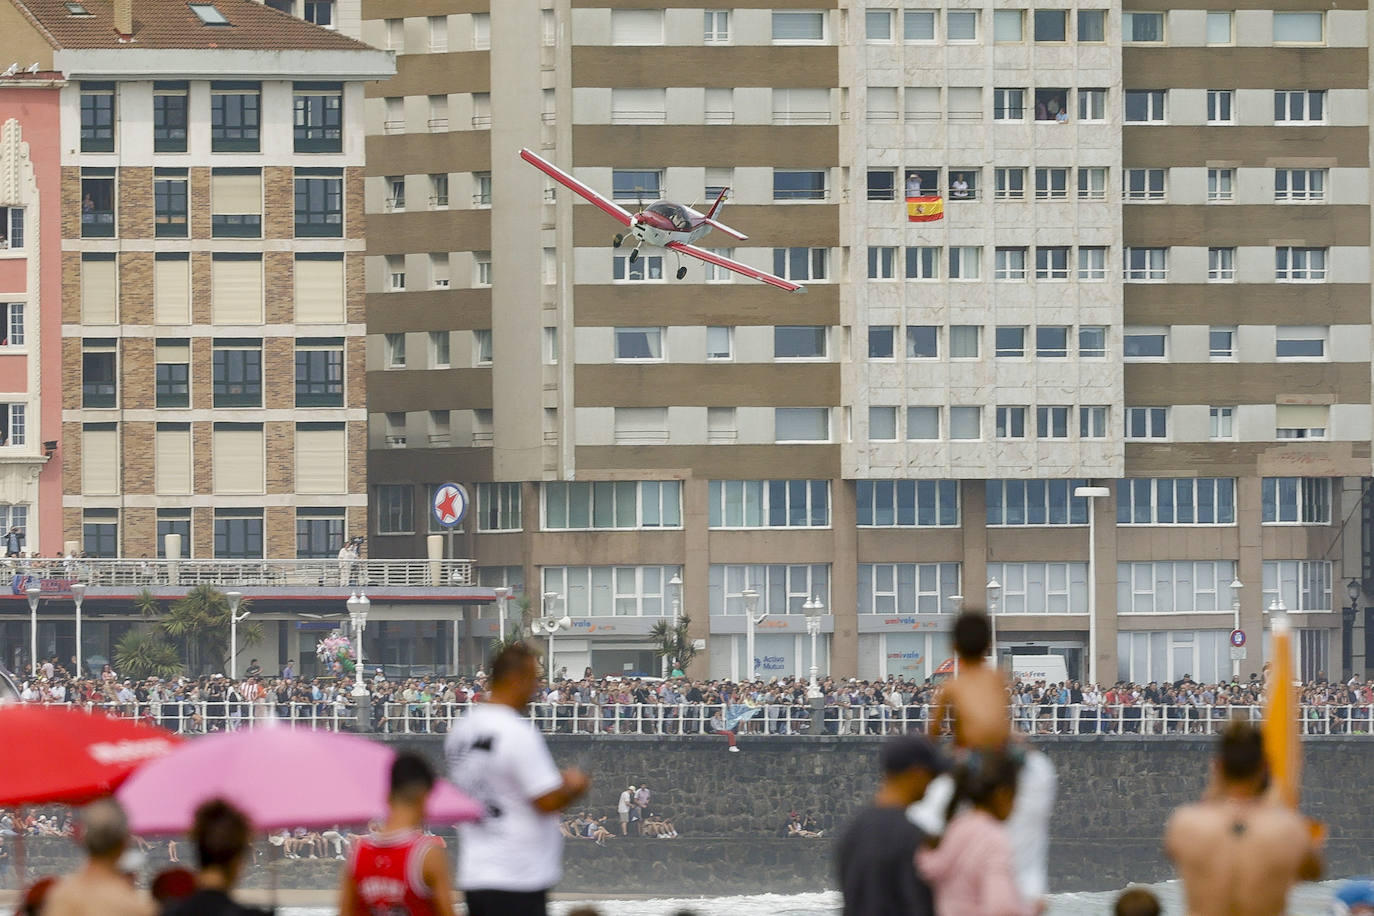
(34, 593)
(956, 606)
(78, 596)
(994, 589)
(502, 593)
(550, 624)
(358, 605)
(752, 619)
(1236, 586)
(675, 584)
(235, 599)
(1091, 494)
(814, 607)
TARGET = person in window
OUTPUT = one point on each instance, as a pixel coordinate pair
(87, 204)
(958, 189)
(913, 184)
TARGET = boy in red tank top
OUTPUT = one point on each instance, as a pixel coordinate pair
(399, 871)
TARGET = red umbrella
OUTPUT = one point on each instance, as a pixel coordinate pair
(53, 754)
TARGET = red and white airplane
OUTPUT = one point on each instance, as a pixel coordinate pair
(664, 224)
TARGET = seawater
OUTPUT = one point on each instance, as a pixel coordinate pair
(1306, 900)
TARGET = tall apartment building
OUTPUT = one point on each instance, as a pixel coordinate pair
(212, 275)
(1152, 276)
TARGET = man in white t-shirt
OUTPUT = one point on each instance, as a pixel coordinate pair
(508, 860)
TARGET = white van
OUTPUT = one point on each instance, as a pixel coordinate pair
(1031, 668)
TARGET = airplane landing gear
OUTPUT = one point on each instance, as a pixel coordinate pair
(634, 255)
(615, 242)
(681, 272)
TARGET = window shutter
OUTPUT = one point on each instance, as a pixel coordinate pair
(173, 353)
(172, 291)
(1301, 416)
(321, 459)
(100, 462)
(239, 460)
(173, 471)
(99, 291)
(319, 291)
(236, 292)
(235, 193)
(636, 27)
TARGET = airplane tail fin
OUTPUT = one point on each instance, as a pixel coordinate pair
(720, 202)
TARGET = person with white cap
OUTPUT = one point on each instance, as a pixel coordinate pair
(622, 808)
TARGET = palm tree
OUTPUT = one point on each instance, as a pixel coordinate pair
(200, 622)
(515, 629)
(673, 643)
(145, 652)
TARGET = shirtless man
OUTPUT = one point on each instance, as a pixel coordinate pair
(1237, 851)
(976, 699)
(99, 888)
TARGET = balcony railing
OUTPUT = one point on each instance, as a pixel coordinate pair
(329, 573)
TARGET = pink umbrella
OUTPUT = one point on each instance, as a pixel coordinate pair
(280, 778)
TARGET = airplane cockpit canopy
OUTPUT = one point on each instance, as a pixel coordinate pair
(674, 212)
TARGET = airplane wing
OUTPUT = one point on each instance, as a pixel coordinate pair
(715, 224)
(607, 206)
(730, 264)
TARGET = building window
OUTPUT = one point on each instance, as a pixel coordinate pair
(882, 424)
(907, 503)
(1219, 27)
(1296, 500)
(99, 376)
(1221, 265)
(639, 344)
(238, 374)
(1300, 264)
(1142, 27)
(319, 374)
(922, 263)
(1008, 104)
(907, 588)
(922, 423)
(611, 591)
(1222, 422)
(800, 342)
(1052, 104)
(438, 191)
(961, 25)
(1092, 263)
(1140, 344)
(1301, 421)
(1008, 26)
(1051, 341)
(1143, 184)
(1092, 25)
(1298, 28)
(882, 184)
(619, 504)
(1176, 501)
(1303, 585)
(318, 117)
(1307, 185)
(1035, 503)
(1009, 341)
(173, 521)
(1092, 104)
(1092, 341)
(236, 203)
(798, 26)
(1051, 184)
(170, 102)
(716, 30)
(498, 507)
(1011, 422)
(637, 27)
(878, 25)
(481, 347)
(395, 509)
(1144, 106)
(1175, 587)
(439, 353)
(1009, 263)
(1051, 25)
(1147, 422)
(966, 422)
(97, 117)
(235, 115)
(1041, 588)
(769, 504)
(319, 533)
(97, 203)
(644, 268)
(1299, 106)
(11, 324)
(1221, 185)
(780, 589)
(922, 341)
(395, 351)
(238, 534)
(320, 12)
(319, 203)
(11, 228)
(1147, 264)
(1221, 106)
(964, 262)
(1092, 422)
(965, 341)
(799, 185)
(720, 343)
(173, 373)
(1092, 184)
(1052, 262)
(881, 341)
(100, 533)
(918, 25)
(800, 264)
(1009, 184)
(882, 262)
(170, 203)
(1221, 343)
(801, 424)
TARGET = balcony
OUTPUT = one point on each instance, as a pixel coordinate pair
(329, 573)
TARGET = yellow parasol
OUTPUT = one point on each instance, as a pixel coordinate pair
(1282, 746)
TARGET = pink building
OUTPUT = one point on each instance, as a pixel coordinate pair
(30, 298)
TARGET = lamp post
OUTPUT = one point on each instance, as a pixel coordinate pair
(814, 607)
(79, 596)
(502, 593)
(1349, 616)
(994, 589)
(1236, 586)
(358, 605)
(675, 584)
(752, 619)
(1092, 494)
(235, 599)
(956, 606)
(551, 625)
(34, 593)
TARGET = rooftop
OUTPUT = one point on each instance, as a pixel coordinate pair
(176, 24)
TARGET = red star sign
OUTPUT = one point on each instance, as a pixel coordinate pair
(446, 507)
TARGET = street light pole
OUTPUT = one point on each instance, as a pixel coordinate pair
(1236, 586)
(813, 608)
(994, 589)
(78, 596)
(751, 604)
(235, 599)
(34, 593)
(502, 593)
(550, 624)
(1092, 494)
(956, 606)
(675, 584)
(358, 605)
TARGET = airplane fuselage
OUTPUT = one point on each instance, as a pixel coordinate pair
(656, 228)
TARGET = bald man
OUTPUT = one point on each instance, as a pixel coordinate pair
(99, 888)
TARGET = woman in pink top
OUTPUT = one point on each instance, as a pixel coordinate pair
(970, 868)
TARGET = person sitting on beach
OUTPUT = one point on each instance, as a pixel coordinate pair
(1237, 850)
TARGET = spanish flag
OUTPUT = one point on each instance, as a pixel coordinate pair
(1282, 746)
(924, 209)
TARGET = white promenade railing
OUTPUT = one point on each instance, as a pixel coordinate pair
(412, 718)
(241, 573)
